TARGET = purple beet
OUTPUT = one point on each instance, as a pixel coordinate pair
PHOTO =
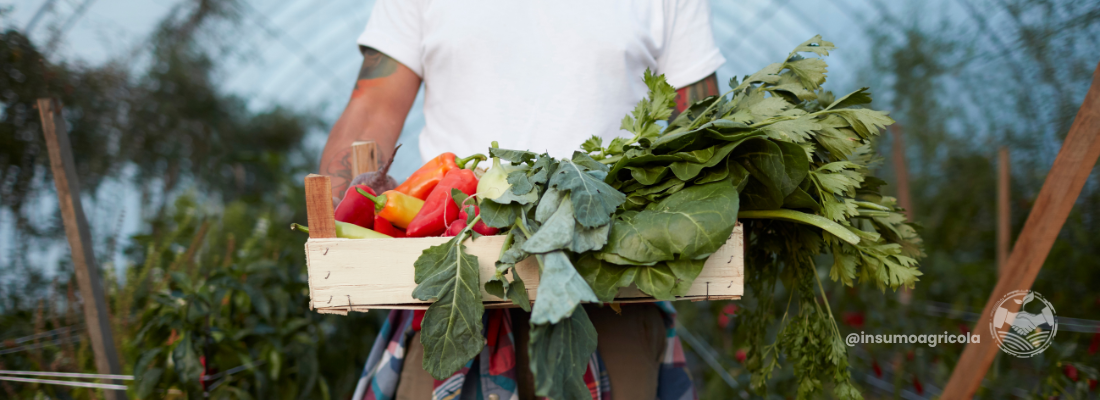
(379, 180)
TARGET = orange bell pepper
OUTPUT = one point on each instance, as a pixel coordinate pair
(394, 206)
(421, 182)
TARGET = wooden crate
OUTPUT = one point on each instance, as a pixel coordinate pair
(363, 274)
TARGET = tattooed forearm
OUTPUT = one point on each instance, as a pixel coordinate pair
(694, 92)
(375, 65)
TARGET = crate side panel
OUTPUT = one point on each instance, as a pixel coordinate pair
(346, 272)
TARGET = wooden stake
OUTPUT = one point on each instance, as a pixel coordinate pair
(1060, 190)
(322, 220)
(96, 316)
(902, 171)
(364, 157)
(1004, 214)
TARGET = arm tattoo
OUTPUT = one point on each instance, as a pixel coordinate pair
(376, 65)
(694, 92)
(339, 169)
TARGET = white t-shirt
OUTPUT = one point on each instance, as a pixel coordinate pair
(538, 75)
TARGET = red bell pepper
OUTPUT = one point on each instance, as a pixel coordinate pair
(421, 182)
(356, 209)
(385, 227)
(439, 208)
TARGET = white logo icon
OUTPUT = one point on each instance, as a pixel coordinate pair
(1024, 334)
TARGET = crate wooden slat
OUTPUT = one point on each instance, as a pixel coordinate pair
(361, 274)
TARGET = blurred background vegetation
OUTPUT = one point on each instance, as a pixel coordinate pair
(189, 185)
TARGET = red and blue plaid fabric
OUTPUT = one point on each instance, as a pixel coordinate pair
(496, 365)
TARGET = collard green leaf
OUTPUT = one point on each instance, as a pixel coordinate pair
(593, 200)
(499, 215)
(556, 233)
(451, 331)
(559, 356)
(510, 196)
(605, 278)
(514, 254)
(542, 169)
(517, 292)
(689, 224)
(561, 289)
(588, 239)
(513, 156)
(495, 288)
(548, 204)
(521, 185)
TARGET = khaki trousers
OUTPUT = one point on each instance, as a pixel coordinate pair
(631, 345)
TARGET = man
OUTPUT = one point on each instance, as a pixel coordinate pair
(536, 75)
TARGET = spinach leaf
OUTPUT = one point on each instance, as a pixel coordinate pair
(656, 280)
(605, 278)
(691, 224)
(764, 160)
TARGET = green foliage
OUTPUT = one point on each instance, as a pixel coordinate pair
(448, 275)
(559, 353)
(649, 210)
(227, 307)
(169, 132)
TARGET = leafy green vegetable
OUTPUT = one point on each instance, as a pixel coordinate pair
(559, 356)
(593, 200)
(647, 210)
(691, 223)
(803, 218)
(561, 289)
(446, 274)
